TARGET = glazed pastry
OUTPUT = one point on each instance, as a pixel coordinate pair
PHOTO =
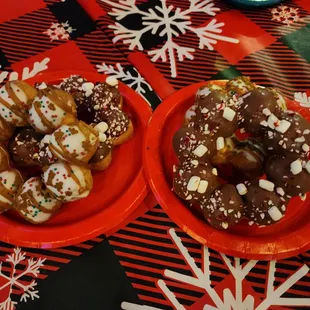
(290, 137)
(291, 176)
(202, 92)
(24, 147)
(193, 181)
(76, 142)
(10, 182)
(80, 89)
(191, 143)
(258, 110)
(15, 97)
(218, 111)
(249, 157)
(240, 85)
(68, 182)
(105, 97)
(103, 155)
(263, 205)
(35, 203)
(224, 208)
(120, 127)
(46, 157)
(50, 109)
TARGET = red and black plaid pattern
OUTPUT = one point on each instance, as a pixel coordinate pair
(132, 266)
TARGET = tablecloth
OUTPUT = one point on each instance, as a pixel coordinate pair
(156, 47)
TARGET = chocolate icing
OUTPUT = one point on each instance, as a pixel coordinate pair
(24, 147)
(224, 208)
(259, 201)
(251, 109)
(278, 171)
(292, 141)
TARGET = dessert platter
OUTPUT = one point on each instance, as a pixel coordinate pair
(67, 170)
(229, 162)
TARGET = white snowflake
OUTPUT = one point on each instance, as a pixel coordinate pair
(171, 22)
(285, 15)
(137, 82)
(14, 280)
(231, 299)
(59, 31)
(302, 99)
(38, 67)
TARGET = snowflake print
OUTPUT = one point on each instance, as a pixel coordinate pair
(285, 15)
(14, 280)
(302, 99)
(235, 298)
(164, 20)
(59, 31)
(27, 73)
(137, 82)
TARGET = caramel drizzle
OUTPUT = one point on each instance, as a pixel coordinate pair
(55, 99)
(19, 109)
(10, 195)
(86, 131)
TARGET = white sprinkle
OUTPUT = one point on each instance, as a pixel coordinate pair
(203, 185)
(270, 134)
(200, 150)
(225, 225)
(194, 162)
(280, 191)
(251, 223)
(266, 112)
(102, 127)
(284, 125)
(264, 123)
(220, 143)
(238, 214)
(306, 132)
(88, 88)
(308, 166)
(275, 213)
(262, 215)
(283, 208)
(241, 188)
(174, 169)
(193, 184)
(267, 185)
(303, 197)
(296, 166)
(111, 80)
(229, 114)
(102, 137)
(300, 139)
(206, 131)
(96, 107)
(189, 197)
(214, 171)
(204, 111)
(272, 121)
(42, 86)
(305, 147)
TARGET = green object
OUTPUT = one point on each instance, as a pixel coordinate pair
(255, 3)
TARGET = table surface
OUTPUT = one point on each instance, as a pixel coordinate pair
(148, 262)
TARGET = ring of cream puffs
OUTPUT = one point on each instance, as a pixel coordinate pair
(208, 151)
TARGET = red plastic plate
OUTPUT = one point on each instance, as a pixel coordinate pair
(287, 238)
(117, 191)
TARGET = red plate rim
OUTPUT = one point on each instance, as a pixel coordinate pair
(244, 247)
(54, 237)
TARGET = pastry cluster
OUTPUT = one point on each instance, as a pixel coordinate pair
(64, 131)
(228, 178)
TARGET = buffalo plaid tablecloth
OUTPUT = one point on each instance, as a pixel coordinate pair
(156, 47)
